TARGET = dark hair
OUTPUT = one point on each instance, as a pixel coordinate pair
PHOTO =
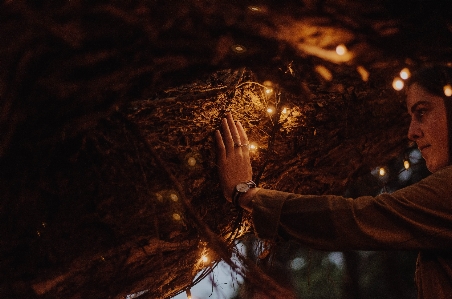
(433, 79)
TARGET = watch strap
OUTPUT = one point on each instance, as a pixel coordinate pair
(236, 194)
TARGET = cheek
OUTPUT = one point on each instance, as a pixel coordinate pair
(442, 137)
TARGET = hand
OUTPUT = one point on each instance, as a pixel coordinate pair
(233, 157)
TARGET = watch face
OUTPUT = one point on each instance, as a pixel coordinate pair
(242, 187)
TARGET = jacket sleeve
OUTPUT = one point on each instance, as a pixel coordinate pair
(416, 217)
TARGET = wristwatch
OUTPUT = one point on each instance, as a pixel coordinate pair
(240, 189)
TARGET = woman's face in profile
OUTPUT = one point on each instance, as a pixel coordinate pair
(428, 127)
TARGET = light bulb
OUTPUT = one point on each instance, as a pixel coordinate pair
(406, 164)
(174, 197)
(448, 90)
(253, 146)
(382, 171)
(405, 73)
(159, 197)
(270, 110)
(363, 72)
(398, 84)
(204, 258)
(176, 216)
(191, 161)
(238, 48)
(341, 49)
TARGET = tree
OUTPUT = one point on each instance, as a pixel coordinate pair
(107, 167)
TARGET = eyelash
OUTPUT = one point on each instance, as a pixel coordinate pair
(419, 113)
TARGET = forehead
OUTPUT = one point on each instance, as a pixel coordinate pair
(417, 95)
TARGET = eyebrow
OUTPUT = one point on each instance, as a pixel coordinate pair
(414, 107)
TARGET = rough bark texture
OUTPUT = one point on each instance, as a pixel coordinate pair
(107, 110)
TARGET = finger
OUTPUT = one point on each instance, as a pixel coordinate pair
(227, 137)
(233, 129)
(242, 133)
(221, 150)
(243, 139)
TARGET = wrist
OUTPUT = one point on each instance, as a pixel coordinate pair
(239, 198)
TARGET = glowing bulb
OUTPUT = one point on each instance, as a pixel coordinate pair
(397, 84)
(191, 161)
(267, 83)
(405, 73)
(174, 197)
(270, 110)
(284, 111)
(253, 146)
(324, 72)
(253, 8)
(363, 72)
(406, 164)
(159, 197)
(448, 90)
(176, 216)
(204, 258)
(238, 48)
(341, 49)
(382, 171)
(268, 90)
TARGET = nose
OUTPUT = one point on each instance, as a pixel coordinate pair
(414, 131)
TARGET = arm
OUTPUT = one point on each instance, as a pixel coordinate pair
(416, 217)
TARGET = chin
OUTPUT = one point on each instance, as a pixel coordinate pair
(435, 167)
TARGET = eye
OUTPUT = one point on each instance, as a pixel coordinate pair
(419, 113)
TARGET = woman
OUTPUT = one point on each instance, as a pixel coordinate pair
(418, 217)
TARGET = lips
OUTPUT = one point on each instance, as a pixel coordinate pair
(423, 147)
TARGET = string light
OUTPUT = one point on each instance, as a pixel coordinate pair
(398, 84)
(267, 83)
(382, 171)
(191, 161)
(406, 164)
(253, 8)
(253, 146)
(176, 217)
(341, 49)
(270, 110)
(284, 111)
(448, 90)
(363, 72)
(324, 72)
(159, 197)
(238, 48)
(405, 73)
(268, 90)
(174, 197)
(205, 258)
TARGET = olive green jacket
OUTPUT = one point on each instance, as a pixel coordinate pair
(418, 217)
